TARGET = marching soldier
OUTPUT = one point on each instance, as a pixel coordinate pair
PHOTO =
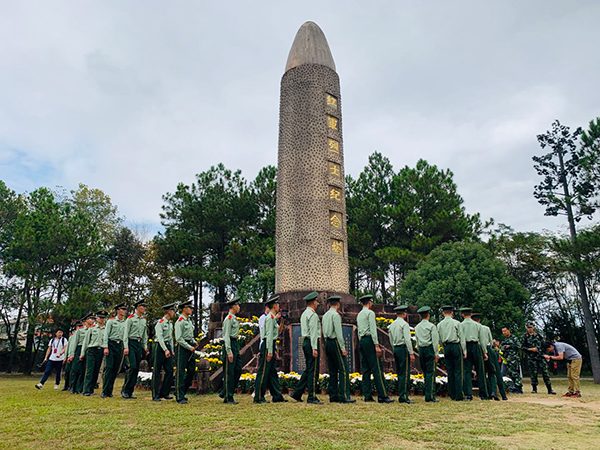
(113, 349)
(78, 364)
(92, 351)
(185, 346)
(476, 356)
(428, 343)
(455, 352)
(68, 361)
(492, 368)
(370, 352)
(310, 327)
(335, 350)
(135, 343)
(232, 361)
(399, 332)
(163, 355)
(510, 349)
(532, 343)
(267, 371)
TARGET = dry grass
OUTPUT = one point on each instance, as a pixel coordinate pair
(56, 419)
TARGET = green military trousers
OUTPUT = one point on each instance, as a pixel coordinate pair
(93, 361)
(134, 358)
(67, 369)
(370, 364)
(427, 359)
(402, 365)
(454, 358)
(185, 366)
(266, 377)
(339, 380)
(161, 362)
(112, 365)
(77, 372)
(492, 368)
(535, 366)
(475, 361)
(310, 376)
(231, 371)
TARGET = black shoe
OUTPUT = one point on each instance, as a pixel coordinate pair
(132, 397)
(281, 400)
(386, 400)
(103, 395)
(231, 402)
(110, 396)
(505, 398)
(65, 389)
(433, 400)
(495, 398)
(485, 398)
(221, 394)
(519, 391)
(168, 397)
(298, 398)
(263, 401)
(468, 398)
(71, 391)
(367, 400)
(534, 390)
(551, 392)
(183, 401)
(124, 395)
(315, 402)
(156, 400)
(87, 394)
(348, 400)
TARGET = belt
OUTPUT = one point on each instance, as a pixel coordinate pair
(400, 345)
(472, 342)
(135, 339)
(449, 342)
(115, 340)
(331, 339)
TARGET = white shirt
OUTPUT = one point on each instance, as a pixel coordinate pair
(261, 324)
(58, 349)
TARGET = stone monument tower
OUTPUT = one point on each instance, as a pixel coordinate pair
(311, 237)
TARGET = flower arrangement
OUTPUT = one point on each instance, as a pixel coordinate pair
(383, 323)
(144, 380)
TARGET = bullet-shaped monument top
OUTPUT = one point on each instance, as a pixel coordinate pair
(311, 237)
(310, 47)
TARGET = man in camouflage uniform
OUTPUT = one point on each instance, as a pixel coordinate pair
(533, 344)
(510, 351)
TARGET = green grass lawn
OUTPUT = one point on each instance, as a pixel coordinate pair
(56, 419)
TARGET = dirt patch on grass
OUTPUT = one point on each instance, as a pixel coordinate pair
(571, 403)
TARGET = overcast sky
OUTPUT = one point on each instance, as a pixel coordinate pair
(133, 97)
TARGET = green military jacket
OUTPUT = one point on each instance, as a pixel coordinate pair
(231, 330)
(135, 328)
(332, 327)
(93, 338)
(450, 332)
(114, 331)
(486, 338)
(71, 345)
(511, 346)
(163, 334)
(184, 332)
(399, 332)
(310, 327)
(533, 341)
(79, 337)
(427, 334)
(472, 330)
(367, 325)
(271, 331)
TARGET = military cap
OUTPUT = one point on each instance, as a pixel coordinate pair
(401, 308)
(102, 314)
(230, 303)
(310, 297)
(423, 309)
(88, 316)
(334, 299)
(366, 299)
(169, 306)
(476, 315)
(529, 325)
(121, 306)
(466, 310)
(140, 303)
(447, 308)
(188, 304)
(272, 301)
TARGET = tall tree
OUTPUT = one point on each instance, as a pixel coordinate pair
(566, 190)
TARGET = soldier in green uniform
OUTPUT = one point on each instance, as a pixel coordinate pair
(135, 343)
(476, 356)
(335, 350)
(163, 355)
(310, 327)
(232, 361)
(428, 343)
(68, 360)
(492, 368)
(113, 349)
(455, 352)
(266, 377)
(185, 346)
(370, 353)
(92, 351)
(532, 343)
(399, 332)
(511, 347)
(78, 370)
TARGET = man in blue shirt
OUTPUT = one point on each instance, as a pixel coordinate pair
(560, 351)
